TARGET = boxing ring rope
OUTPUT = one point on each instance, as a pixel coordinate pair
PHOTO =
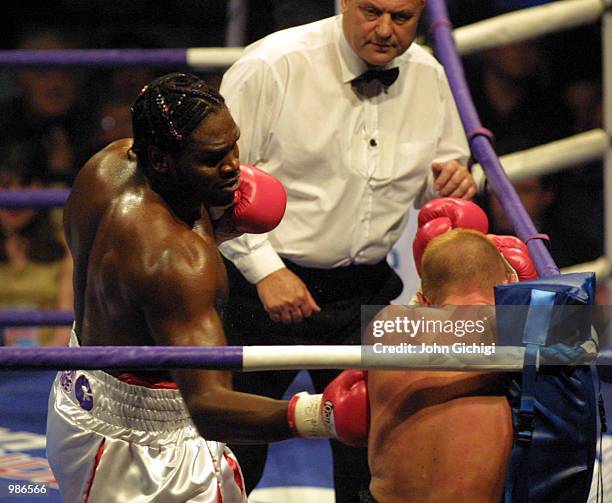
(33, 198)
(527, 24)
(551, 157)
(510, 27)
(250, 358)
(260, 358)
(196, 57)
(520, 25)
(503, 29)
(35, 317)
(480, 142)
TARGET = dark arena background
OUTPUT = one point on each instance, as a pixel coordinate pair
(546, 99)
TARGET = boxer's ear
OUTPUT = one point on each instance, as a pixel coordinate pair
(511, 277)
(159, 160)
(511, 274)
(424, 301)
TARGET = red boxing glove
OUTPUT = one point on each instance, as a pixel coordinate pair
(341, 412)
(259, 203)
(439, 216)
(517, 255)
(462, 213)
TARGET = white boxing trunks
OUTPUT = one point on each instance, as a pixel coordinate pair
(112, 442)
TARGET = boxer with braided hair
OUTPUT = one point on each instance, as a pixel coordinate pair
(140, 226)
(170, 108)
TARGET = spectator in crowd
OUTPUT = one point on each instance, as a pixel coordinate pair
(263, 17)
(539, 196)
(46, 113)
(35, 269)
(519, 99)
(580, 201)
(515, 98)
(112, 90)
(112, 121)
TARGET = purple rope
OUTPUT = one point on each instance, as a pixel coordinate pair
(135, 358)
(95, 57)
(30, 318)
(33, 198)
(482, 150)
(121, 357)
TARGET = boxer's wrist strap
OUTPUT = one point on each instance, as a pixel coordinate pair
(304, 416)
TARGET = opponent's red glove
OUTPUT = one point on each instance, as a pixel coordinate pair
(441, 215)
(259, 204)
(341, 412)
(517, 255)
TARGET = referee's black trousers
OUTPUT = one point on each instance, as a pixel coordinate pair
(340, 293)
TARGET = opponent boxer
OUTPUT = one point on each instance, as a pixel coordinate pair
(442, 436)
(435, 436)
(143, 276)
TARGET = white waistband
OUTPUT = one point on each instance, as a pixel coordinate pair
(130, 406)
(125, 405)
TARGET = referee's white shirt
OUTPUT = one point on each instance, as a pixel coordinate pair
(352, 165)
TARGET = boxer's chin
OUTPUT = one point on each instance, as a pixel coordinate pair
(225, 198)
(222, 197)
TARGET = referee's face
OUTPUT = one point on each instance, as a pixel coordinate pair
(380, 30)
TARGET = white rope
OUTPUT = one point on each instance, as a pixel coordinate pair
(527, 24)
(551, 157)
(511, 27)
(601, 267)
(367, 357)
(212, 57)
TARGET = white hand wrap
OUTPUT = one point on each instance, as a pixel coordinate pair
(304, 415)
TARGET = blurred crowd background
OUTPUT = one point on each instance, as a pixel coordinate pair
(53, 120)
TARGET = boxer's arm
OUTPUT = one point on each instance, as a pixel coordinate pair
(179, 300)
(342, 411)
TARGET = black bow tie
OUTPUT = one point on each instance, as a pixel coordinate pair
(385, 77)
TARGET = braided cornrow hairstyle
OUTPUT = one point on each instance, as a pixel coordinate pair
(168, 109)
